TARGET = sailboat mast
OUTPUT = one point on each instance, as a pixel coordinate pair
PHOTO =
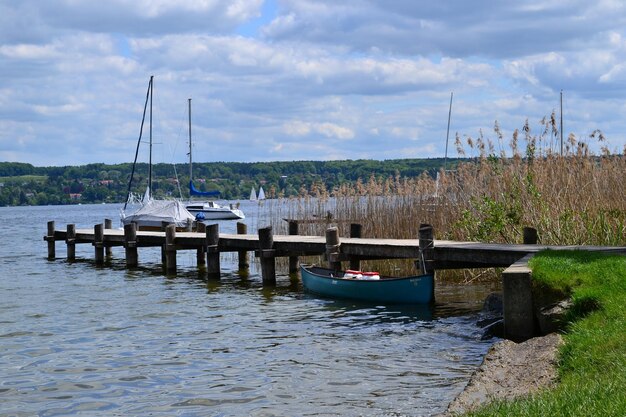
(190, 167)
(561, 130)
(143, 119)
(445, 161)
(150, 158)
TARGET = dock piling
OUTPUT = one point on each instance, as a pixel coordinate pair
(130, 244)
(293, 260)
(70, 241)
(530, 236)
(108, 224)
(242, 229)
(518, 301)
(170, 248)
(426, 248)
(267, 255)
(332, 248)
(212, 251)
(98, 243)
(201, 251)
(50, 239)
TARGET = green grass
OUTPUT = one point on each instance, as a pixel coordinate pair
(592, 367)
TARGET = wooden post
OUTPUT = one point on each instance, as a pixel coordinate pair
(427, 248)
(98, 243)
(242, 229)
(201, 252)
(530, 236)
(108, 224)
(517, 298)
(212, 251)
(50, 240)
(164, 225)
(170, 248)
(293, 260)
(427, 252)
(267, 255)
(130, 244)
(332, 248)
(70, 241)
(356, 231)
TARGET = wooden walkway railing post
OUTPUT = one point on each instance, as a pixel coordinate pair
(108, 224)
(170, 248)
(242, 229)
(212, 251)
(50, 239)
(130, 245)
(267, 255)
(356, 231)
(332, 248)
(293, 260)
(98, 243)
(70, 241)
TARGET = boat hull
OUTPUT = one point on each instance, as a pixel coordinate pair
(216, 213)
(405, 290)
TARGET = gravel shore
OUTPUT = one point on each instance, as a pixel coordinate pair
(510, 370)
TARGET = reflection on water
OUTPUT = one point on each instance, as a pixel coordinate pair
(76, 339)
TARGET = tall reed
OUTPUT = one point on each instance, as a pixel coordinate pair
(572, 198)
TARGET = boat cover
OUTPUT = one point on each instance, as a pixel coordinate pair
(154, 212)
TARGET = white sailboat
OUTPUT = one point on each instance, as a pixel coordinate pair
(207, 210)
(253, 195)
(261, 194)
(153, 213)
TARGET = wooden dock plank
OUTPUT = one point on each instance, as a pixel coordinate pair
(448, 254)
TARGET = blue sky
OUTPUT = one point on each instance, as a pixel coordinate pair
(301, 80)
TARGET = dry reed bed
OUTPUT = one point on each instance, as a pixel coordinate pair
(573, 197)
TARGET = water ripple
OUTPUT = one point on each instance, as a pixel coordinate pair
(81, 340)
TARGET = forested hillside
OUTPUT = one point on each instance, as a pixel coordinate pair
(25, 184)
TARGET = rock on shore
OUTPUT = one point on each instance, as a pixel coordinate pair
(510, 370)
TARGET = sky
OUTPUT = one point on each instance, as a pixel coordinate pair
(288, 80)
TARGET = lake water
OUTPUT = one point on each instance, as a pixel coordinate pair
(76, 339)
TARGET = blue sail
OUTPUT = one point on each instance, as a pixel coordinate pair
(194, 191)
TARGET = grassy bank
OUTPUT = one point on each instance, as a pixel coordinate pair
(592, 368)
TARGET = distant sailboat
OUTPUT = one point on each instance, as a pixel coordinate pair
(252, 195)
(261, 194)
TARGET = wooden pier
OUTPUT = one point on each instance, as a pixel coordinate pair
(209, 243)
(438, 254)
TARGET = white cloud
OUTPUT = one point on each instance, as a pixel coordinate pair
(330, 130)
(297, 128)
(369, 79)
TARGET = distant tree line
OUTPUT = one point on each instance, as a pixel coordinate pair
(25, 184)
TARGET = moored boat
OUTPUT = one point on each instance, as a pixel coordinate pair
(361, 286)
(207, 210)
(210, 210)
(152, 213)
